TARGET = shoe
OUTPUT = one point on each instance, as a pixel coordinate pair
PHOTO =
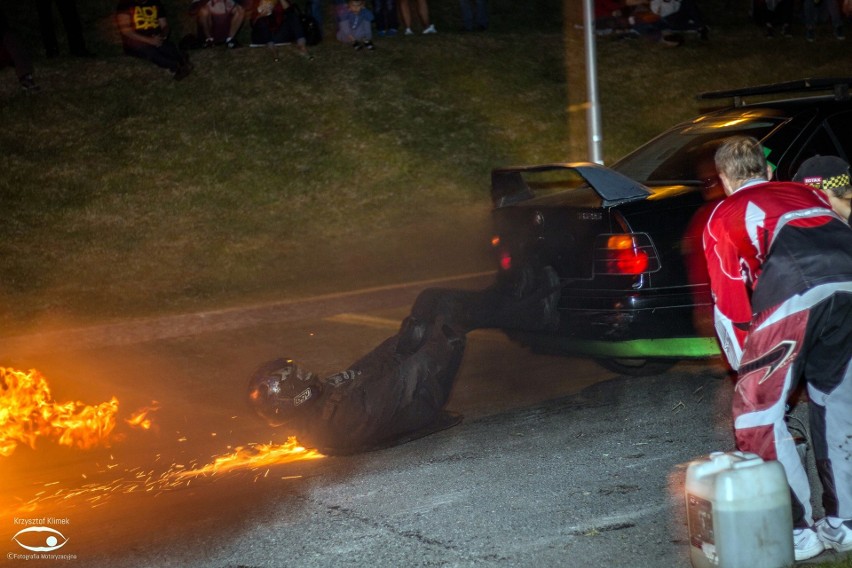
(380, 33)
(839, 33)
(369, 45)
(703, 33)
(28, 84)
(769, 32)
(806, 544)
(357, 46)
(209, 42)
(837, 537)
(786, 31)
(408, 31)
(391, 32)
(430, 30)
(809, 35)
(232, 43)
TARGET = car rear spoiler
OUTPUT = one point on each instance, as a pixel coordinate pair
(839, 85)
(508, 185)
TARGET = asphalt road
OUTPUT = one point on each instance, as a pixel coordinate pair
(557, 463)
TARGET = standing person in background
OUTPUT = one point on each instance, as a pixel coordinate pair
(71, 22)
(474, 15)
(831, 175)
(780, 266)
(422, 12)
(144, 32)
(12, 52)
(814, 10)
(387, 22)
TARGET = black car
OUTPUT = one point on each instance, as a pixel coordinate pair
(625, 241)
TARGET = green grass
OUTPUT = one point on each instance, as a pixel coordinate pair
(127, 194)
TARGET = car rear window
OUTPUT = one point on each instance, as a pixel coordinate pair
(684, 154)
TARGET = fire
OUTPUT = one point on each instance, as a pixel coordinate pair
(28, 412)
(255, 456)
(140, 419)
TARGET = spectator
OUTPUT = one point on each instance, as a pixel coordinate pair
(815, 10)
(355, 26)
(386, 20)
(830, 175)
(144, 31)
(13, 53)
(218, 21)
(422, 12)
(474, 15)
(276, 22)
(680, 16)
(780, 266)
(71, 22)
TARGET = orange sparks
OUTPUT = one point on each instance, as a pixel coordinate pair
(27, 412)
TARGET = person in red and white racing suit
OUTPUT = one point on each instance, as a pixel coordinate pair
(780, 267)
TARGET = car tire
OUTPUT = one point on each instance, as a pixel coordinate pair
(637, 367)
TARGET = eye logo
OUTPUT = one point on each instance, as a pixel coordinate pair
(51, 540)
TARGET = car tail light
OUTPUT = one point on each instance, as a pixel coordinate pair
(625, 253)
(504, 256)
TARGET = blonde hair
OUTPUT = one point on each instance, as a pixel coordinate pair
(741, 158)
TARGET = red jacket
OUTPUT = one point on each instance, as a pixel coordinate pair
(793, 225)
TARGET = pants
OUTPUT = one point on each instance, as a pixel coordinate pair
(385, 12)
(813, 11)
(808, 336)
(70, 20)
(471, 19)
(167, 56)
(263, 30)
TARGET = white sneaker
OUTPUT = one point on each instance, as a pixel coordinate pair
(408, 31)
(835, 533)
(430, 30)
(806, 544)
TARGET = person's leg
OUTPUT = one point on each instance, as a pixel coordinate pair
(405, 14)
(205, 26)
(16, 52)
(73, 28)
(466, 14)
(828, 371)
(423, 13)
(770, 369)
(810, 12)
(482, 14)
(236, 19)
(44, 8)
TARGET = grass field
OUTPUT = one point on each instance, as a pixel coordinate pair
(265, 176)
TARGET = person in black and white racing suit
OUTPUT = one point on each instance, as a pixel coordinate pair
(780, 266)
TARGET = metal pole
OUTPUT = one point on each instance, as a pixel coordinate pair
(593, 112)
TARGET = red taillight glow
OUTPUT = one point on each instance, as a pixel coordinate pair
(626, 254)
(505, 260)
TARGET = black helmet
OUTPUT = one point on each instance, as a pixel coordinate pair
(279, 390)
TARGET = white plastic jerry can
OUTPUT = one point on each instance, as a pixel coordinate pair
(738, 511)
